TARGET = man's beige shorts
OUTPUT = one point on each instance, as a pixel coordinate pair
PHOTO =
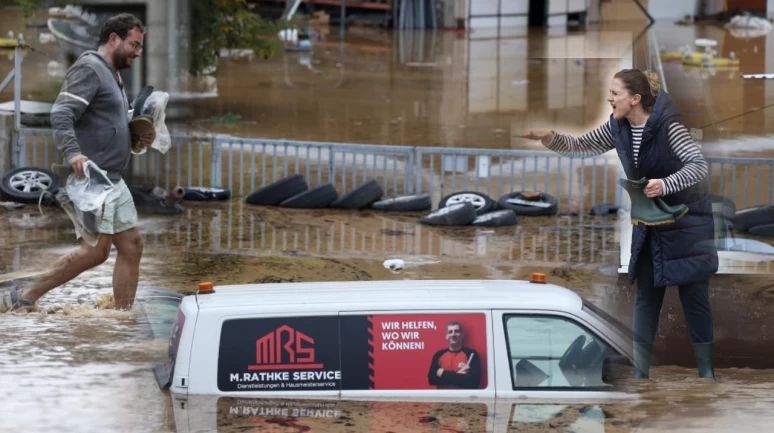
(120, 214)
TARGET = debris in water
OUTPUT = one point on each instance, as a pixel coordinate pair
(9, 205)
(394, 265)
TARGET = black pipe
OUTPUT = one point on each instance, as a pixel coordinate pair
(644, 10)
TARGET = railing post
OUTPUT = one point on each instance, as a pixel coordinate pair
(408, 184)
(418, 170)
(17, 80)
(215, 169)
(21, 145)
(331, 168)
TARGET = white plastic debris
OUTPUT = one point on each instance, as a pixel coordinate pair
(748, 27)
(394, 265)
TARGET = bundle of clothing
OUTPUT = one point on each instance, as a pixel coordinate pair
(149, 113)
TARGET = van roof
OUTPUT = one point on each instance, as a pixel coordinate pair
(391, 294)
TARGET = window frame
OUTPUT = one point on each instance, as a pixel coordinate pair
(506, 314)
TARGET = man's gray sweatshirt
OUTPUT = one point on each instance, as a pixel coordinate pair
(90, 116)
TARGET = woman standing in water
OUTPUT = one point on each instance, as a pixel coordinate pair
(651, 142)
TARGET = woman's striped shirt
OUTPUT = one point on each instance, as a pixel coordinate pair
(601, 140)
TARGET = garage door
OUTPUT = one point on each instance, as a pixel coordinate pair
(498, 13)
(514, 13)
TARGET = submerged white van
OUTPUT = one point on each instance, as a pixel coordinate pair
(395, 339)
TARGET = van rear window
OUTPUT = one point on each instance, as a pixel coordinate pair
(330, 353)
(174, 345)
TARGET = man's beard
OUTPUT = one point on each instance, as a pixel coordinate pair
(121, 60)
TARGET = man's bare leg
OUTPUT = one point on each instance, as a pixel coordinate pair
(127, 270)
(70, 266)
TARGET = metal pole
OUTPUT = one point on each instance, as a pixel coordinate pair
(17, 66)
(7, 80)
(343, 18)
(644, 10)
(433, 18)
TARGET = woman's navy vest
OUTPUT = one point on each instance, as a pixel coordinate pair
(683, 252)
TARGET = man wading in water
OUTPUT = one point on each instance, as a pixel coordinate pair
(90, 121)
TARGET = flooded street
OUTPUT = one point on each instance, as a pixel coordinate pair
(77, 365)
(80, 366)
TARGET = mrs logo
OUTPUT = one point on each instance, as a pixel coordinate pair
(284, 349)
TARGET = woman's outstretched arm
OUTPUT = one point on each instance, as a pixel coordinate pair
(591, 143)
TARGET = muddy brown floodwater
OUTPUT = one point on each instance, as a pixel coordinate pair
(77, 365)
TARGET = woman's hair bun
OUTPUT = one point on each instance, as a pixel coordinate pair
(653, 81)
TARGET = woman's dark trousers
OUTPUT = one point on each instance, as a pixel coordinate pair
(647, 308)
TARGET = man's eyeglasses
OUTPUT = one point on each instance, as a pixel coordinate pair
(137, 46)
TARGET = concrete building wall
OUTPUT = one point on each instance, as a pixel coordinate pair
(671, 9)
(484, 14)
(166, 25)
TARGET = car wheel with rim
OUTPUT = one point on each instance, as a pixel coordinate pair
(26, 184)
(482, 203)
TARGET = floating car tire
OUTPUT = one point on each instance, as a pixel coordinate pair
(206, 194)
(275, 193)
(315, 198)
(745, 219)
(26, 184)
(766, 230)
(551, 209)
(729, 207)
(361, 197)
(459, 214)
(498, 218)
(482, 203)
(405, 203)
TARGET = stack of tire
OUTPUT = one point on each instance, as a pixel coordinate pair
(757, 221)
(27, 184)
(457, 209)
(294, 192)
(477, 209)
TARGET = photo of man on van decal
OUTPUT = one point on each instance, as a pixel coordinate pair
(457, 366)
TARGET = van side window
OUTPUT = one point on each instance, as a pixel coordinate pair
(554, 352)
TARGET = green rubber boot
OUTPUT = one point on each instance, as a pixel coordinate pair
(645, 210)
(642, 355)
(676, 211)
(705, 359)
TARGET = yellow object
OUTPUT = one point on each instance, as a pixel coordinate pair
(709, 61)
(8, 43)
(713, 67)
(699, 59)
(671, 56)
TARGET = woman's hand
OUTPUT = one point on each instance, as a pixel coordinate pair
(654, 188)
(537, 135)
(543, 136)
